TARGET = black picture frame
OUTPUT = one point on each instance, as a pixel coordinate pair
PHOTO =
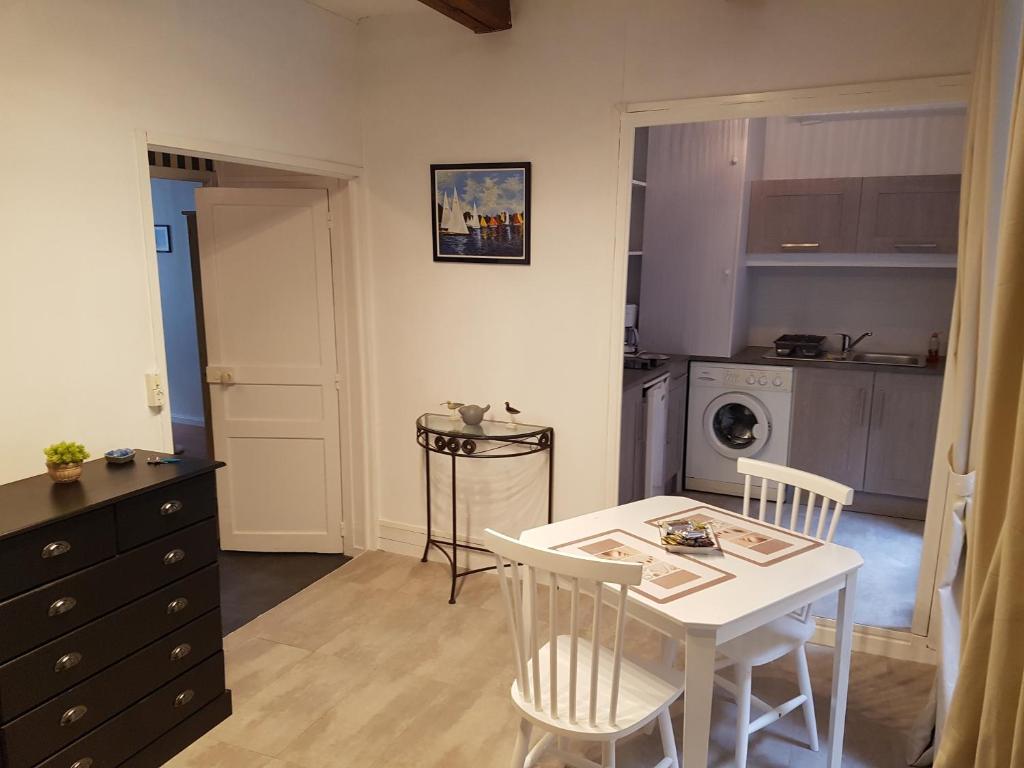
(163, 238)
(508, 242)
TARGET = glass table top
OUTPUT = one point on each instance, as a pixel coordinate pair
(442, 424)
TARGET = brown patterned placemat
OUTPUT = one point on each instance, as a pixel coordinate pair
(665, 578)
(747, 538)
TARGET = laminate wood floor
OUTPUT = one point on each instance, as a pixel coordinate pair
(371, 667)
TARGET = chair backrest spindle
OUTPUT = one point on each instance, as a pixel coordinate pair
(520, 595)
(830, 493)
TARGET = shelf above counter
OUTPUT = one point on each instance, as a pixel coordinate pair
(884, 260)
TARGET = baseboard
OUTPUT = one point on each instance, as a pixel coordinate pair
(405, 539)
(891, 643)
(189, 421)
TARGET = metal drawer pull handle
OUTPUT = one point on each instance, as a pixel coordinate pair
(174, 556)
(181, 652)
(170, 507)
(801, 245)
(917, 246)
(177, 606)
(73, 715)
(56, 549)
(184, 698)
(85, 762)
(67, 661)
(62, 605)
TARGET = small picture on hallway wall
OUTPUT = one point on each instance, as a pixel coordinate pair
(163, 238)
(481, 212)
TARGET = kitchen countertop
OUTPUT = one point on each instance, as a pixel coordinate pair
(755, 356)
(635, 377)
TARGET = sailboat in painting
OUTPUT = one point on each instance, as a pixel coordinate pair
(474, 219)
(446, 213)
(457, 223)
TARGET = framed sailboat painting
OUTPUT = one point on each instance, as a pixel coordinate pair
(481, 212)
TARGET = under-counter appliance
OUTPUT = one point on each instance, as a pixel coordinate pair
(656, 432)
(735, 411)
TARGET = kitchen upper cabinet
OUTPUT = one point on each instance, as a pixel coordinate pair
(803, 215)
(909, 214)
(829, 435)
(904, 419)
(631, 446)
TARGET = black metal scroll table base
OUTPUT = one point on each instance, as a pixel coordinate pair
(440, 434)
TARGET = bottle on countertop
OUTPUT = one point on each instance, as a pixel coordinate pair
(933, 348)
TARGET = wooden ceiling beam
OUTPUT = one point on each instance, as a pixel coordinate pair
(481, 16)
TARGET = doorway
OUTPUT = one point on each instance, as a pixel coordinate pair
(222, 220)
(702, 287)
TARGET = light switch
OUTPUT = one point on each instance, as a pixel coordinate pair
(156, 395)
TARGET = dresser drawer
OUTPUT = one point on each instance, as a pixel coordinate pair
(55, 550)
(157, 513)
(40, 675)
(47, 728)
(51, 611)
(115, 741)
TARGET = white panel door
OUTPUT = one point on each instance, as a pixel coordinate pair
(265, 260)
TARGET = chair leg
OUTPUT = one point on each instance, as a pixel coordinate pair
(608, 754)
(803, 675)
(668, 737)
(522, 747)
(743, 683)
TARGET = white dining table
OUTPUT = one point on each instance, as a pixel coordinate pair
(753, 595)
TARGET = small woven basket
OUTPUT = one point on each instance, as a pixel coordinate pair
(64, 473)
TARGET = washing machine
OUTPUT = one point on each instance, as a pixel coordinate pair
(733, 411)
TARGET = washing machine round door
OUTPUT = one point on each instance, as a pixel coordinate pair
(737, 424)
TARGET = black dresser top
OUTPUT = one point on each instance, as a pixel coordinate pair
(36, 501)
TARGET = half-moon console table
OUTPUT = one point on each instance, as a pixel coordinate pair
(490, 439)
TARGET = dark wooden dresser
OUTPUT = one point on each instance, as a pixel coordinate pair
(110, 631)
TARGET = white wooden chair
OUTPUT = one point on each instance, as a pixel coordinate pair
(822, 505)
(570, 687)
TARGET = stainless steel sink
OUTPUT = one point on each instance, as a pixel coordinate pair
(883, 358)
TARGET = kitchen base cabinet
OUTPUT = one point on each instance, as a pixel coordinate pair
(111, 632)
(631, 446)
(904, 419)
(829, 435)
(873, 431)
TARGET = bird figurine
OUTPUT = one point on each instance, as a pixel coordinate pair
(512, 412)
(453, 408)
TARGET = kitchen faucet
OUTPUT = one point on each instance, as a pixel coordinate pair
(848, 344)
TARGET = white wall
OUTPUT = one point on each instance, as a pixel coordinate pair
(77, 80)
(547, 91)
(177, 300)
(903, 145)
(903, 307)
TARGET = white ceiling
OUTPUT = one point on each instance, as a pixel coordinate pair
(357, 9)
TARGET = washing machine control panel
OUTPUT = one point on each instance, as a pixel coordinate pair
(758, 379)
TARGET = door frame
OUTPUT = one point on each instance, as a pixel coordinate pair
(346, 203)
(919, 643)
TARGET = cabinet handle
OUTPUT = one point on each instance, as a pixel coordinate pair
(177, 606)
(184, 697)
(881, 407)
(792, 246)
(917, 246)
(174, 556)
(170, 507)
(85, 762)
(863, 406)
(181, 652)
(67, 661)
(73, 715)
(61, 606)
(55, 549)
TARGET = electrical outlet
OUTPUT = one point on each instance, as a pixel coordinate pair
(156, 395)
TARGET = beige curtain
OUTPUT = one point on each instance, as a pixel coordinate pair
(985, 724)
